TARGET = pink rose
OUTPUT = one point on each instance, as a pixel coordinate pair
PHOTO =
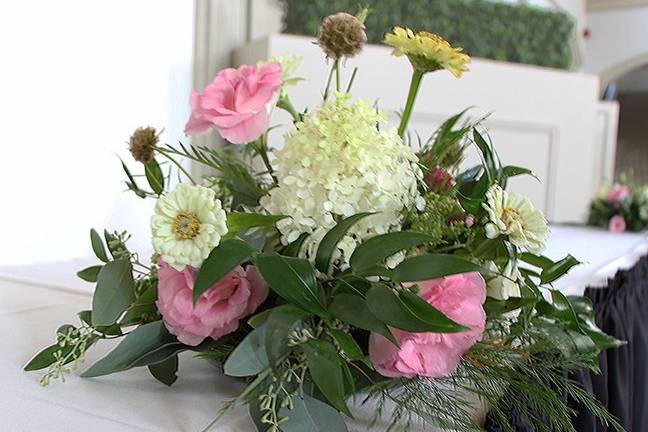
(617, 224)
(236, 103)
(217, 312)
(435, 355)
(617, 194)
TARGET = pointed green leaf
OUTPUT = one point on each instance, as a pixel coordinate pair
(219, 263)
(374, 250)
(293, 279)
(347, 344)
(115, 291)
(330, 241)
(98, 246)
(353, 310)
(559, 269)
(293, 249)
(240, 222)
(154, 176)
(408, 312)
(279, 324)
(325, 367)
(424, 267)
(166, 371)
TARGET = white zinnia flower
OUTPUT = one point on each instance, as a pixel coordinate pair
(338, 163)
(188, 223)
(513, 215)
(505, 285)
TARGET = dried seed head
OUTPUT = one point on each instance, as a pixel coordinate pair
(342, 35)
(141, 144)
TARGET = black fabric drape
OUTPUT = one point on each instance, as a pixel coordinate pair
(622, 386)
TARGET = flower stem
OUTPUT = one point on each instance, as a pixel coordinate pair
(285, 104)
(262, 150)
(176, 163)
(328, 82)
(336, 65)
(411, 97)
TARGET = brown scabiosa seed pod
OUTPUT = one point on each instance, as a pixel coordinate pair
(342, 35)
(141, 144)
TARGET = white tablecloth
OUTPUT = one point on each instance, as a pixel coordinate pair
(33, 303)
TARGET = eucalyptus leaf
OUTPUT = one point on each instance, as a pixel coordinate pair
(307, 415)
(114, 292)
(330, 241)
(326, 371)
(98, 246)
(374, 250)
(46, 356)
(280, 322)
(249, 357)
(221, 260)
(90, 274)
(139, 343)
(293, 279)
(432, 266)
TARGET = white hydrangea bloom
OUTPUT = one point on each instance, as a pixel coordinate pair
(338, 163)
(188, 223)
(513, 215)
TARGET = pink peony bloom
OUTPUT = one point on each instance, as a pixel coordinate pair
(236, 103)
(217, 311)
(617, 194)
(617, 224)
(435, 355)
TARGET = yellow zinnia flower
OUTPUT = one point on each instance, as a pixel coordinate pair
(427, 51)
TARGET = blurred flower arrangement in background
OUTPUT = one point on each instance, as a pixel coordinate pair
(621, 206)
(345, 267)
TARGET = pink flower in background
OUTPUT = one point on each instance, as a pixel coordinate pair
(617, 194)
(617, 224)
(217, 312)
(435, 355)
(236, 103)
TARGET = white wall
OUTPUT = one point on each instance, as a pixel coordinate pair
(77, 78)
(618, 41)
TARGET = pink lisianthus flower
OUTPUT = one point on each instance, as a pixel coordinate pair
(236, 103)
(617, 224)
(217, 312)
(617, 194)
(435, 355)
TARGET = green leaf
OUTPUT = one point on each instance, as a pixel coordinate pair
(494, 307)
(347, 344)
(90, 274)
(166, 371)
(293, 249)
(154, 176)
(376, 249)
(307, 415)
(325, 367)
(46, 357)
(240, 222)
(249, 357)
(559, 268)
(330, 241)
(98, 246)
(539, 261)
(137, 345)
(221, 260)
(353, 310)
(491, 161)
(513, 171)
(424, 267)
(114, 292)
(405, 312)
(293, 279)
(279, 324)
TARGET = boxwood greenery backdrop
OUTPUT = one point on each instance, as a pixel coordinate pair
(487, 29)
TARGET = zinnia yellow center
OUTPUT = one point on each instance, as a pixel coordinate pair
(186, 226)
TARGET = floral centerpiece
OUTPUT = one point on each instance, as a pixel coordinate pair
(345, 267)
(620, 206)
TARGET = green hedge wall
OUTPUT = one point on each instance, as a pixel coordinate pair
(487, 29)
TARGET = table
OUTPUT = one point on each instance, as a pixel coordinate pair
(33, 303)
